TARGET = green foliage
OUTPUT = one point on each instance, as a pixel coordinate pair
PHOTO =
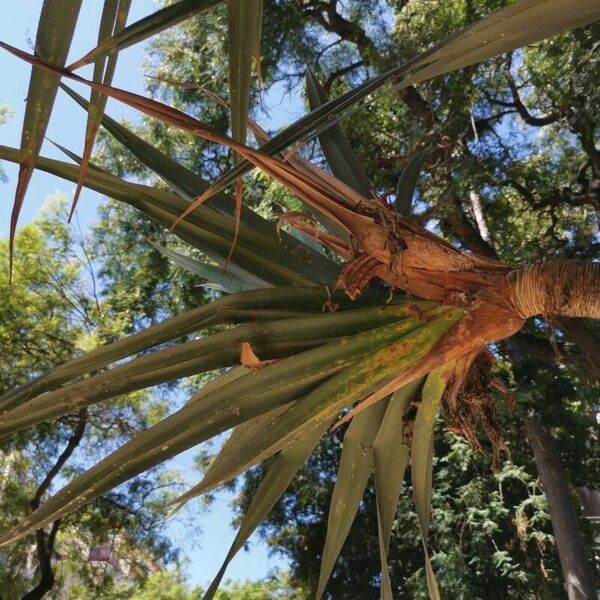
(49, 313)
(5, 115)
(171, 585)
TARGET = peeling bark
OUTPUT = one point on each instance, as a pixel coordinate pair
(565, 288)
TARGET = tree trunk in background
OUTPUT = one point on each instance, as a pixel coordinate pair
(575, 564)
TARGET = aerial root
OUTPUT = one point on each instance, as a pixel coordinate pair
(468, 403)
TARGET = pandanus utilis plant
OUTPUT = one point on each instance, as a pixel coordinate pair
(396, 325)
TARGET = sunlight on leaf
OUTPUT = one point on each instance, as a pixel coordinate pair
(53, 40)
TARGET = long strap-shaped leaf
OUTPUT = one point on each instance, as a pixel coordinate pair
(407, 183)
(55, 32)
(514, 26)
(227, 282)
(324, 402)
(390, 455)
(342, 160)
(271, 338)
(255, 441)
(422, 459)
(351, 480)
(256, 232)
(113, 19)
(244, 19)
(193, 424)
(208, 231)
(248, 397)
(316, 410)
(280, 473)
(243, 24)
(144, 28)
(224, 310)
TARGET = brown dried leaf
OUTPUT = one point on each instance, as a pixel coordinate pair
(248, 359)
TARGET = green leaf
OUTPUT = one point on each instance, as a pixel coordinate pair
(253, 442)
(114, 16)
(280, 473)
(256, 440)
(144, 28)
(250, 396)
(55, 32)
(344, 164)
(352, 477)
(270, 338)
(244, 18)
(407, 183)
(231, 309)
(389, 463)
(189, 185)
(422, 460)
(227, 282)
(205, 229)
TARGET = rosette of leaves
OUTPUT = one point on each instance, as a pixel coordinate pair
(298, 343)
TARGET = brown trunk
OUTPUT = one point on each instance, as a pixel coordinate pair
(587, 343)
(576, 568)
(566, 288)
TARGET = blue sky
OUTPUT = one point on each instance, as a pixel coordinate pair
(18, 27)
(207, 549)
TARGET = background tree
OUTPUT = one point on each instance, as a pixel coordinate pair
(171, 585)
(52, 310)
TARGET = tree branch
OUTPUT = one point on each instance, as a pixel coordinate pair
(522, 109)
(45, 544)
(73, 442)
(326, 15)
(340, 73)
